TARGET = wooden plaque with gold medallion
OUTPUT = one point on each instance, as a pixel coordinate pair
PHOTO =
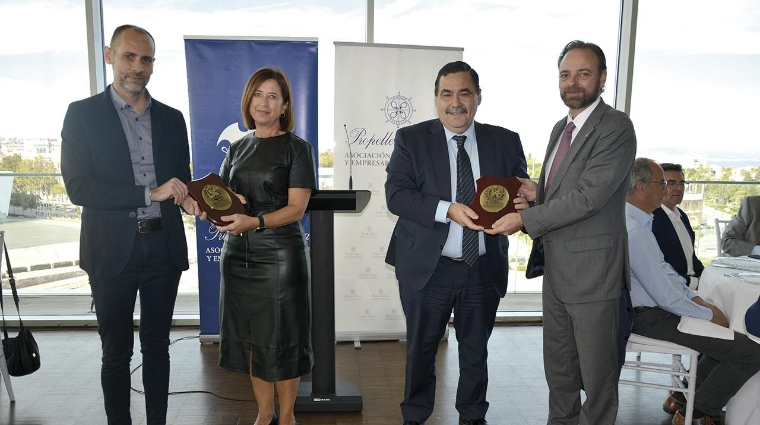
(215, 199)
(494, 198)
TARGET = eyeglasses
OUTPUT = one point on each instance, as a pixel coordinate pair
(673, 184)
(662, 183)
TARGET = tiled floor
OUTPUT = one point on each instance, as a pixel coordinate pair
(66, 390)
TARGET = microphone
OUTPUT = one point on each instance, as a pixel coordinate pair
(350, 161)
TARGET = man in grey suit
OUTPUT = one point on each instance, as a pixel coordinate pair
(443, 260)
(742, 234)
(579, 217)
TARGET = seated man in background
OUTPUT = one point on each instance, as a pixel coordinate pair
(742, 234)
(661, 297)
(672, 229)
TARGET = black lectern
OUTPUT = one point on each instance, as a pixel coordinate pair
(322, 394)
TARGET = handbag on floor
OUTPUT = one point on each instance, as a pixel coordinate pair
(22, 355)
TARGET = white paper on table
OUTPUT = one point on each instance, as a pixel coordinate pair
(702, 327)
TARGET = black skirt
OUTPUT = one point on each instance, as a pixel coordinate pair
(265, 304)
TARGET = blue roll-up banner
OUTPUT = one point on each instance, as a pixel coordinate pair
(217, 71)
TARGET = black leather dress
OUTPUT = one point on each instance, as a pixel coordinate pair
(265, 311)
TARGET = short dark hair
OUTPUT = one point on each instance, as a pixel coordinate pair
(287, 120)
(117, 32)
(578, 44)
(454, 67)
(667, 166)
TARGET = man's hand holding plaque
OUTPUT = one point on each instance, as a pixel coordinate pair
(215, 199)
(494, 199)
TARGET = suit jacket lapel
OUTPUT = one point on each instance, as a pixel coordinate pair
(121, 158)
(156, 130)
(486, 158)
(439, 150)
(553, 140)
(577, 144)
(686, 224)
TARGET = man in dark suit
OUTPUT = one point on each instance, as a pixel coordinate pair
(579, 217)
(443, 260)
(672, 229)
(125, 159)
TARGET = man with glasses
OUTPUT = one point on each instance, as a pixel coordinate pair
(661, 298)
(672, 229)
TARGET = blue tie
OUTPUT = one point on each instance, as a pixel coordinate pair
(465, 195)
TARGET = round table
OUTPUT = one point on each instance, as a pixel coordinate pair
(734, 297)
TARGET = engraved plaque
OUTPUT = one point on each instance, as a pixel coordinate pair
(215, 199)
(494, 198)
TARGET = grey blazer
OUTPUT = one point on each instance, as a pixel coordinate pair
(743, 231)
(581, 219)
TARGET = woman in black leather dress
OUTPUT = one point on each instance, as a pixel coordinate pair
(265, 285)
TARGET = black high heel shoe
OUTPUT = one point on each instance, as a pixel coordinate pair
(275, 419)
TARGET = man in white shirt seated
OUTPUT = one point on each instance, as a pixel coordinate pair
(672, 229)
(660, 297)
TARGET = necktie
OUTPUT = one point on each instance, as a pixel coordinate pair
(564, 146)
(465, 195)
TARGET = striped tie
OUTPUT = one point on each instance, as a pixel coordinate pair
(465, 195)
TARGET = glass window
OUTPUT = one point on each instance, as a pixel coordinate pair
(514, 46)
(43, 67)
(169, 22)
(694, 102)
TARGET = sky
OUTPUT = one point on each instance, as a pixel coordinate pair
(695, 85)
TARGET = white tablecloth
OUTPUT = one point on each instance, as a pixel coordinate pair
(734, 297)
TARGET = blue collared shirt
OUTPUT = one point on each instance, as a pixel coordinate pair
(137, 129)
(654, 283)
(453, 246)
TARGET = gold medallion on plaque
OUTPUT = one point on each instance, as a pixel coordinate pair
(494, 198)
(216, 197)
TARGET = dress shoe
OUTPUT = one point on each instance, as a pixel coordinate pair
(410, 423)
(672, 405)
(275, 419)
(679, 419)
(480, 421)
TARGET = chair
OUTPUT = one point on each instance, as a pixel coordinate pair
(676, 369)
(720, 227)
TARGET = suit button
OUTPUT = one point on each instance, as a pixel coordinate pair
(132, 214)
(440, 247)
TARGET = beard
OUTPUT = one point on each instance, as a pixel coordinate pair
(582, 101)
(133, 88)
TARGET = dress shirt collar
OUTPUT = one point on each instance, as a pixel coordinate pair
(470, 133)
(639, 215)
(673, 214)
(122, 104)
(583, 116)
